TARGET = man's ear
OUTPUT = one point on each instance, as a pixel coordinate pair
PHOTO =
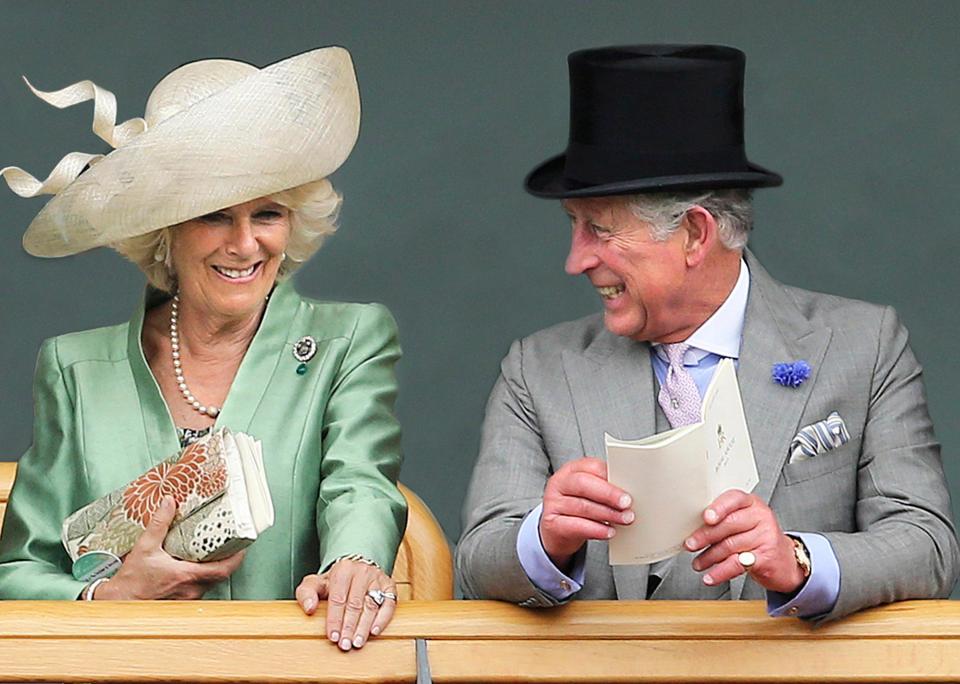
(701, 235)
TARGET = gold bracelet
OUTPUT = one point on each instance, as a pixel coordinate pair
(801, 555)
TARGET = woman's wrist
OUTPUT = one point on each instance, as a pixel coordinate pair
(355, 557)
(89, 592)
(111, 591)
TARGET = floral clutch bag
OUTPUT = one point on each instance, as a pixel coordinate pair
(223, 504)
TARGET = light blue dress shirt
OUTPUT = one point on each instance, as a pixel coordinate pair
(717, 338)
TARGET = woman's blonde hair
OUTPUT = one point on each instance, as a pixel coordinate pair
(314, 208)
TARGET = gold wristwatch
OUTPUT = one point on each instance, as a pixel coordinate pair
(800, 553)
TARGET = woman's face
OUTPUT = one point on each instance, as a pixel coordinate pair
(226, 262)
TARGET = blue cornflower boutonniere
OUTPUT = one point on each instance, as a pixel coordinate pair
(790, 374)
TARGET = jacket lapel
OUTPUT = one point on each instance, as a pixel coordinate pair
(611, 383)
(774, 331)
(267, 350)
(159, 433)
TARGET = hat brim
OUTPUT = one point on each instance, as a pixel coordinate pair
(548, 181)
(290, 123)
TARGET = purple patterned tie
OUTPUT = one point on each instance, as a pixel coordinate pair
(679, 397)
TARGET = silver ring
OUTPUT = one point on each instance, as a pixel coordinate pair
(389, 595)
(378, 596)
(747, 559)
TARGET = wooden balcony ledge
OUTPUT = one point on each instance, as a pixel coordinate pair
(476, 641)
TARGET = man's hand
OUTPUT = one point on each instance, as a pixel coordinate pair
(579, 504)
(736, 522)
(149, 572)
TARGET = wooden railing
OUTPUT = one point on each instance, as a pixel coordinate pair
(470, 641)
(476, 641)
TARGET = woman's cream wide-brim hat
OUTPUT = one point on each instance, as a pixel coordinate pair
(215, 133)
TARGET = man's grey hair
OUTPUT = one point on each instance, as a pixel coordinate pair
(732, 209)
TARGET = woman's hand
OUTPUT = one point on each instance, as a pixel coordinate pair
(149, 572)
(352, 613)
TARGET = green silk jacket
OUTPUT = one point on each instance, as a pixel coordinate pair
(331, 444)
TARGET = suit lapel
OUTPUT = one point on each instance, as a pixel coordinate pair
(774, 331)
(611, 384)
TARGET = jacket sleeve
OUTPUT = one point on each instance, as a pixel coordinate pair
(906, 545)
(33, 562)
(508, 481)
(360, 509)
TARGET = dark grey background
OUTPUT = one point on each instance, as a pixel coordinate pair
(855, 103)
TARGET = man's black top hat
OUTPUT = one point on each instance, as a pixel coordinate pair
(652, 118)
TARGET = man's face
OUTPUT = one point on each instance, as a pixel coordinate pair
(641, 281)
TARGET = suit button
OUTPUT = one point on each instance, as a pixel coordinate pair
(565, 585)
(794, 610)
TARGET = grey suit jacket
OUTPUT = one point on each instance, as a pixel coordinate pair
(880, 499)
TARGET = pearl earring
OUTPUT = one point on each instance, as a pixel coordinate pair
(162, 252)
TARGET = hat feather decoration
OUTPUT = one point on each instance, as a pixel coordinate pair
(72, 164)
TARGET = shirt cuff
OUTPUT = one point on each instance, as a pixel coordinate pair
(538, 566)
(819, 594)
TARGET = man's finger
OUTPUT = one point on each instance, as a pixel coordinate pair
(590, 510)
(572, 528)
(726, 503)
(587, 464)
(729, 546)
(589, 486)
(724, 571)
(736, 522)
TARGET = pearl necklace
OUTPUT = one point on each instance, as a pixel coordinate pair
(211, 411)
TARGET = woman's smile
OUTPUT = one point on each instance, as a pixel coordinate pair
(238, 275)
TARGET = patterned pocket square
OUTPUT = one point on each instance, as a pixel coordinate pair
(819, 438)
